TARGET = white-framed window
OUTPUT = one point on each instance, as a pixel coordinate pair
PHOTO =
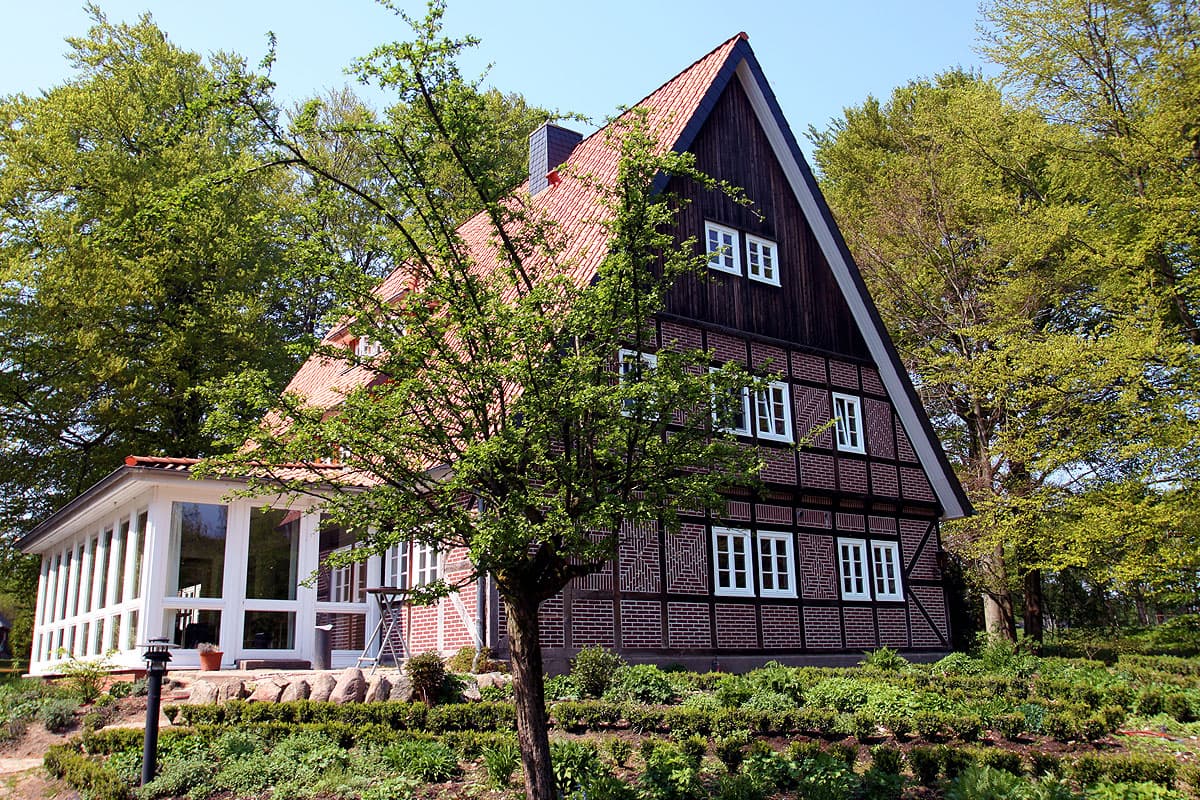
(852, 565)
(724, 250)
(367, 347)
(395, 565)
(847, 413)
(737, 406)
(425, 566)
(776, 570)
(731, 562)
(344, 582)
(772, 412)
(762, 260)
(885, 563)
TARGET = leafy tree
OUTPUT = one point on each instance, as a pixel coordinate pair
(968, 226)
(493, 421)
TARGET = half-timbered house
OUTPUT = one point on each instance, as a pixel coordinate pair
(838, 554)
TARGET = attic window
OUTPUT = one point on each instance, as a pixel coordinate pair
(761, 260)
(772, 415)
(366, 347)
(724, 251)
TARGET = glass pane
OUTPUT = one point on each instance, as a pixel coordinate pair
(131, 639)
(119, 542)
(112, 627)
(85, 588)
(269, 630)
(197, 550)
(140, 542)
(188, 627)
(274, 554)
(349, 630)
(106, 544)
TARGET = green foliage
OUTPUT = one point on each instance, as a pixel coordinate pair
(619, 751)
(1106, 790)
(428, 761)
(885, 659)
(640, 683)
(593, 668)
(93, 780)
(731, 749)
(886, 759)
(427, 672)
(179, 777)
(575, 764)
(825, 778)
(985, 783)
(57, 714)
(670, 775)
(501, 761)
(85, 677)
(840, 694)
(770, 702)
(925, 763)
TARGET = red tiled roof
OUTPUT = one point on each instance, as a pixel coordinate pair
(572, 203)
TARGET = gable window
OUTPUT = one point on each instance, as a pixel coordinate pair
(732, 405)
(761, 260)
(395, 565)
(722, 246)
(885, 559)
(776, 575)
(366, 347)
(847, 411)
(772, 413)
(852, 561)
(425, 567)
(731, 557)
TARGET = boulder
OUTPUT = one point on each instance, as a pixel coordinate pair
(298, 689)
(268, 691)
(470, 692)
(402, 690)
(232, 690)
(204, 693)
(378, 689)
(321, 687)
(351, 687)
(492, 679)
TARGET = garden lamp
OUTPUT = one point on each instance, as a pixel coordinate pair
(157, 653)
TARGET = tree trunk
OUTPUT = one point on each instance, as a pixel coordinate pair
(998, 616)
(1034, 627)
(525, 654)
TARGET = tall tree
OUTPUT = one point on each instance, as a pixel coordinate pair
(967, 231)
(493, 420)
(142, 256)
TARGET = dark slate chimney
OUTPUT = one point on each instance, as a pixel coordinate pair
(549, 146)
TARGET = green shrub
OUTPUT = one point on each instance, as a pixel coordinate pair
(886, 759)
(120, 689)
(1087, 769)
(863, 725)
(739, 787)
(592, 670)
(732, 690)
(640, 683)
(826, 778)
(1005, 760)
(93, 780)
(85, 677)
(237, 743)
(840, 694)
(774, 677)
(427, 672)
(575, 765)
(706, 703)
(925, 764)
(769, 702)
(885, 659)
(1134, 768)
(425, 760)
(954, 760)
(694, 748)
(57, 714)
(845, 752)
(619, 751)
(1010, 726)
(966, 727)
(251, 775)
(179, 778)
(930, 724)
(501, 761)
(310, 751)
(731, 750)
(669, 775)
(1044, 763)
(958, 664)
(562, 687)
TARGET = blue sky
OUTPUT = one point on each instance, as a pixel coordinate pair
(583, 57)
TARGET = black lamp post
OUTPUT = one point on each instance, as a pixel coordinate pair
(157, 654)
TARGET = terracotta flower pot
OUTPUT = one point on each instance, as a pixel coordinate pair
(211, 661)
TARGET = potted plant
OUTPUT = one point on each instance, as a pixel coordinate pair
(210, 656)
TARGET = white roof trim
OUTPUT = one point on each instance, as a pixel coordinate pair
(925, 448)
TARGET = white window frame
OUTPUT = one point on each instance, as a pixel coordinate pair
(625, 356)
(850, 438)
(424, 564)
(764, 397)
(724, 584)
(848, 575)
(885, 557)
(775, 538)
(395, 565)
(345, 580)
(746, 414)
(718, 258)
(367, 347)
(759, 251)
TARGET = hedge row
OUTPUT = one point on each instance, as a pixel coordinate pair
(1065, 723)
(91, 778)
